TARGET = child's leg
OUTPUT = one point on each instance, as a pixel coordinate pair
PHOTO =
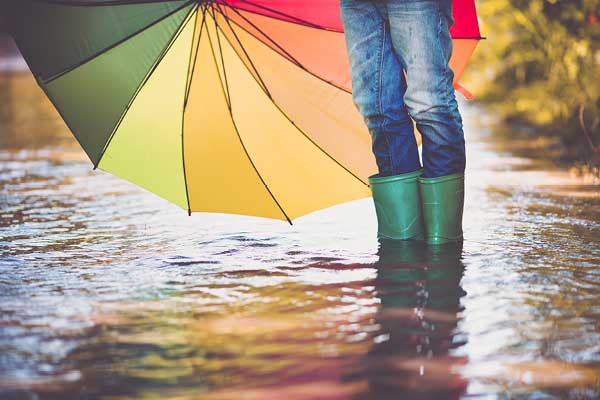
(419, 31)
(420, 37)
(378, 86)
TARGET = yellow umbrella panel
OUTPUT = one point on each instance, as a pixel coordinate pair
(206, 134)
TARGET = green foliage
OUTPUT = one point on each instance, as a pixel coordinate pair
(541, 65)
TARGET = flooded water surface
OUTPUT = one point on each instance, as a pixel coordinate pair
(107, 291)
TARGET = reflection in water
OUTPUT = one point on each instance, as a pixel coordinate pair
(387, 335)
(419, 288)
(109, 292)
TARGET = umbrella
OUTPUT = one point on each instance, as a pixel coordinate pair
(228, 106)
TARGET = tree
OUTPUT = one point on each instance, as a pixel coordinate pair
(542, 66)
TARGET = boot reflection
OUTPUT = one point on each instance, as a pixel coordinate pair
(419, 288)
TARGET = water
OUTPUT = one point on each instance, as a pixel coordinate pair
(107, 291)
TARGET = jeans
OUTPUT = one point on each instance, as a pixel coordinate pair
(399, 52)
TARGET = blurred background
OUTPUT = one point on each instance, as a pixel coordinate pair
(540, 68)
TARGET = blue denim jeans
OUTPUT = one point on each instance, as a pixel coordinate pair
(399, 52)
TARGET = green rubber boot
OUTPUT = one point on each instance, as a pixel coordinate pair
(443, 200)
(398, 206)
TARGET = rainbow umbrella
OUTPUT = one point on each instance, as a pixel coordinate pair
(228, 106)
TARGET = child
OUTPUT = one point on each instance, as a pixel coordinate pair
(399, 52)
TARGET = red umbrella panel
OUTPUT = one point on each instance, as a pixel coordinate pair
(312, 36)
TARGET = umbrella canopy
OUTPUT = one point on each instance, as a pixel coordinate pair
(228, 106)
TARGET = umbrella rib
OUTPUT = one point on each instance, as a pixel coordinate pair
(292, 60)
(193, 63)
(228, 94)
(185, 98)
(285, 114)
(112, 46)
(262, 83)
(146, 78)
(240, 136)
